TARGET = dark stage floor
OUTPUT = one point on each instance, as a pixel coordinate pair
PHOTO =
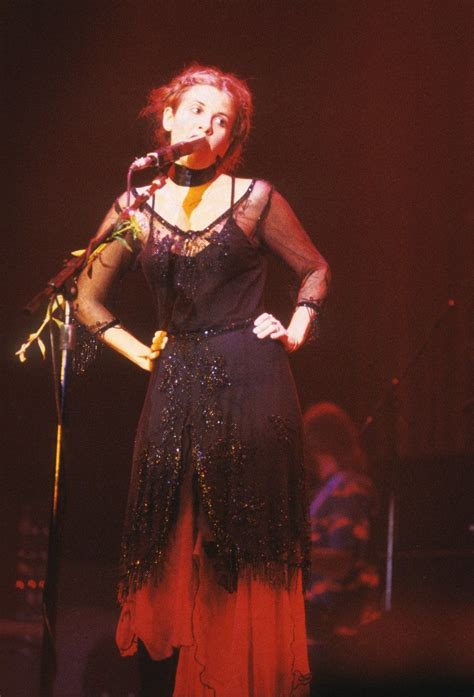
(422, 647)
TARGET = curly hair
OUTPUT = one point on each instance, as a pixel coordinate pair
(329, 429)
(170, 95)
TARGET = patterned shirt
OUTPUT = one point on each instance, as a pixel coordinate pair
(341, 517)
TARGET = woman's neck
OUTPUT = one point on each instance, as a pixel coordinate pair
(182, 175)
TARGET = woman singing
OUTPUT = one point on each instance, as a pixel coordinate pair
(214, 542)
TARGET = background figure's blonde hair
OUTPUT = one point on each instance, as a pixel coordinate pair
(170, 95)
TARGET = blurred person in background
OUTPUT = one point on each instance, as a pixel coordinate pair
(344, 589)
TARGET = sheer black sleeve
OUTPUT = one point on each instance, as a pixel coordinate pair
(281, 231)
(98, 281)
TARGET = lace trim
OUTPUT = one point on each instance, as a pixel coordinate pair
(219, 219)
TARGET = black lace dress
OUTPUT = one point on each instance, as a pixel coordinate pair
(221, 417)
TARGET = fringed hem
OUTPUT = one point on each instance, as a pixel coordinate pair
(277, 574)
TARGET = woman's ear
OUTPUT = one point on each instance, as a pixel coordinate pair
(168, 118)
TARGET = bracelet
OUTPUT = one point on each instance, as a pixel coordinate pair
(316, 307)
(312, 304)
(108, 325)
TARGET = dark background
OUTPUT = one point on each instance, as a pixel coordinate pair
(364, 122)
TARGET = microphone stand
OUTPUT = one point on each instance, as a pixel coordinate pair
(67, 340)
(390, 402)
(63, 284)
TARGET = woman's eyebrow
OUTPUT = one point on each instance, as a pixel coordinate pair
(219, 113)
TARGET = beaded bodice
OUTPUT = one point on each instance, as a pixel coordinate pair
(207, 278)
(201, 279)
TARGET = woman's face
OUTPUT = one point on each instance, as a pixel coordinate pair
(203, 110)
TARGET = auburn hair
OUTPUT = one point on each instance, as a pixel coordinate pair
(170, 95)
(329, 429)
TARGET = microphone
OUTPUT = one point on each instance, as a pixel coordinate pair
(168, 154)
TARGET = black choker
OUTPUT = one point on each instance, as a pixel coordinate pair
(184, 176)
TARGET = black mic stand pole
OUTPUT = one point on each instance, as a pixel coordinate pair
(67, 338)
(63, 284)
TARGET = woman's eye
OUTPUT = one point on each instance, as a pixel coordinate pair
(196, 109)
(222, 122)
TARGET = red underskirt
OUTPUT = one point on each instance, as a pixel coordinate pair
(250, 643)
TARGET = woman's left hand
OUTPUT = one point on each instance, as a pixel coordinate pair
(267, 325)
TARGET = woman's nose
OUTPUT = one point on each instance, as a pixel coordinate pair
(206, 125)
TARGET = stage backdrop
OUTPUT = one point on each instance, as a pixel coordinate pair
(363, 121)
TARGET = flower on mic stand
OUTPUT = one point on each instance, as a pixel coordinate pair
(130, 222)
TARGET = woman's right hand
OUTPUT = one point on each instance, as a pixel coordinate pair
(125, 343)
(159, 341)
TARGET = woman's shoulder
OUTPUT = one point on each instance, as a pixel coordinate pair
(263, 192)
(121, 201)
(258, 188)
(248, 181)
